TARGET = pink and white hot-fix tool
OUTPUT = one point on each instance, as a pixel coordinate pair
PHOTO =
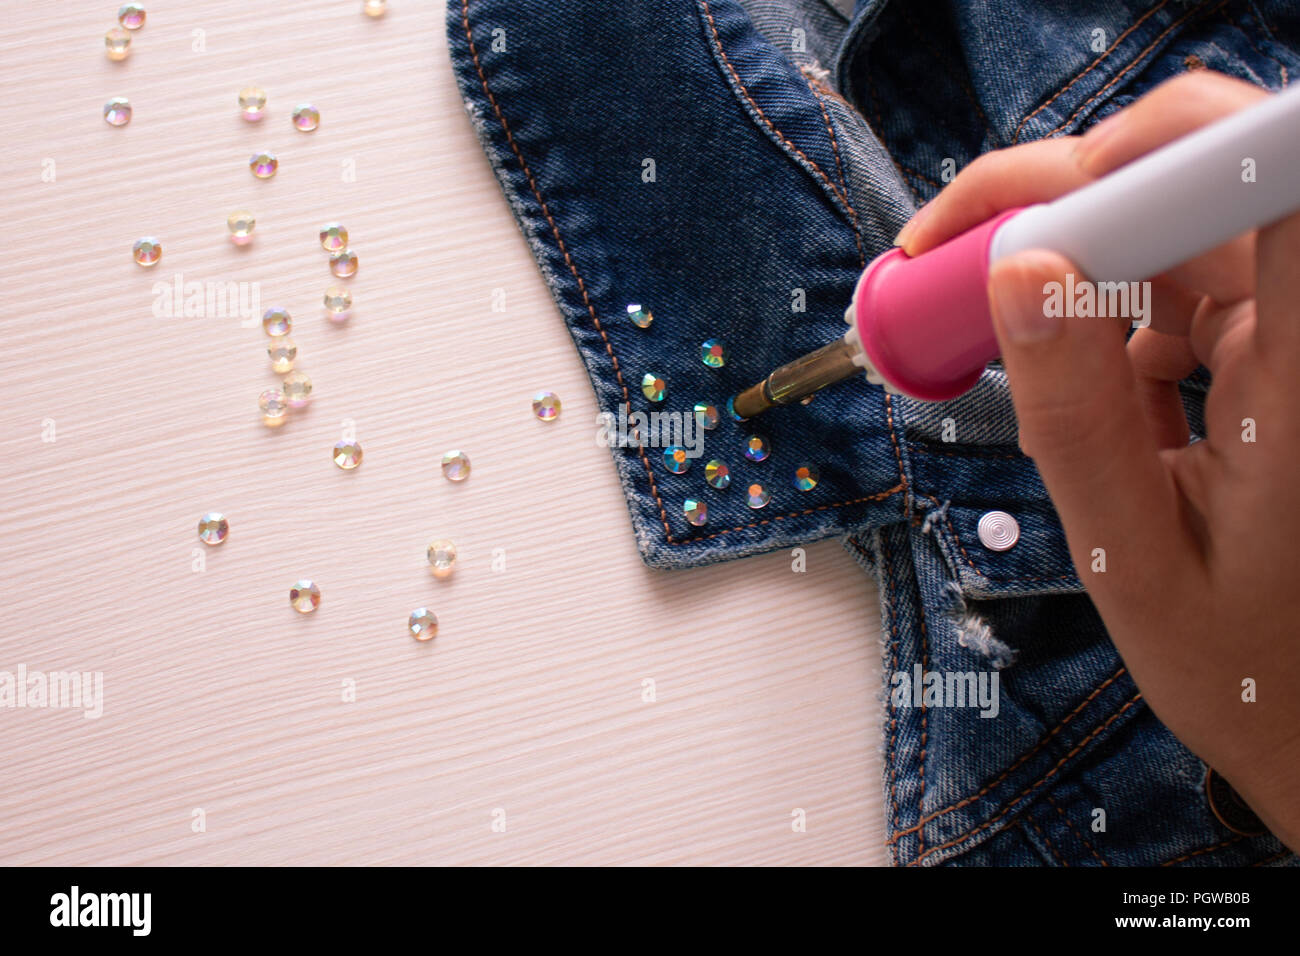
(921, 326)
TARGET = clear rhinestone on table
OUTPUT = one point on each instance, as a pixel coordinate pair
(305, 117)
(117, 111)
(717, 474)
(546, 406)
(757, 496)
(640, 316)
(276, 322)
(282, 352)
(131, 16)
(241, 225)
(375, 8)
(347, 454)
(263, 165)
(757, 448)
(806, 477)
(252, 103)
(274, 407)
(297, 389)
(213, 528)
(333, 237)
(706, 416)
(696, 511)
(676, 460)
(146, 252)
(343, 263)
(713, 353)
(654, 387)
(442, 557)
(338, 303)
(304, 596)
(455, 465)
(117, 44)
(423, 624)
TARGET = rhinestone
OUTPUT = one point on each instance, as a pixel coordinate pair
(282, 352)
(344, 264)
(806, 477)
(375, 8)
(654, 387)
(757, 448)
(338, 303)
(423, 624)
(146, 252)
(306, 117)
(697, 512)
(676, 460)
(117, 111)
(274, 407)
(304, 596)
(442, 557)
(347, 454)
(546, 406)
(713, 353)
(333, 237)
(276, 322)
(640, 317)
(731, 411)
(717, 474)
(706, 416)
(263, 165)
(297, 389)
(241, 226)
(117, 44)
(252, 103)
(455, 465)
(131, 16)
(998, 531)
(758, 496)
(213, 528)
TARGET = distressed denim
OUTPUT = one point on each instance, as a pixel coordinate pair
(732, 165)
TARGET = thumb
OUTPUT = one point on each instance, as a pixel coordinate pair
(1080, 417)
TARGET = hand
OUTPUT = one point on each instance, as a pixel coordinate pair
(1199, 539)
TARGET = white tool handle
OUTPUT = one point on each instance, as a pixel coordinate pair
(1171, 205)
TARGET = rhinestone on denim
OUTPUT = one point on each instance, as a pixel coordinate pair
(640, 316)
(757, 448)
(696, 511)
(806, 477)
(713, 353)
(731, 411)
(757, 496)
(676, 460)
(706, 416)
(717, 474)
(654, 387)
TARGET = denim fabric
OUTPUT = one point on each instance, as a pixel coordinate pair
(790, 140)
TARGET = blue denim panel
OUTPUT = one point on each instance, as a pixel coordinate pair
(567, 111)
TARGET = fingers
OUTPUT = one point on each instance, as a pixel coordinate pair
(1277, 296)
(1082, 421)
(1160, 362)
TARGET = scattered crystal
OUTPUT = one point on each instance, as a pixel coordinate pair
(306, 117)
(117, 111)
(640, 317)
(717, 474)
(304, 596)
(676, 459)
(806, 477)
(213, 528)
(282, 352)
(757, 448)
(263, 165)
(423, 624)
(131, 16)
(442, 557)
(713, 353)
(706, 416)
(252, 103)
(546, 406)
(333, 237)
(758, 496)
(241, 226)
(146, 252)
(274, 407)
(347, 454)
(117, 43)
(375, 8)
(654, 387)
(455, 465)
(697, 512)
(297, 389)
(276, 322)
(338, 303)
(343, 263)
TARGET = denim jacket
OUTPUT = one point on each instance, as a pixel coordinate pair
(730, 167)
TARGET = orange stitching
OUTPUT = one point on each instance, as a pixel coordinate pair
(1059, 859)
(1253, 45)
(717, 41)
(1028, 754)
(925, 666)
(844, 183)
(1207, 849)
(898, 454)
(1051, 773)
(1092, 66)
(1270, 859)
(1154, 43)
(1082, 839)
(609, 348)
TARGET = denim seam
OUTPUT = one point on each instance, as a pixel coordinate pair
(925, 667)
(1272, 859)
(879, 130)
(1253, 45)
(886, 562)
(1204, 850)
(947, 66)
(1079, 836)
(1096, 731)
(983, 791)
(839, 167)
(1092, 66)
(922, 449)
(1043, 836)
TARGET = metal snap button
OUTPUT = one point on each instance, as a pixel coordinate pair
(1229, 808)
(998, 531)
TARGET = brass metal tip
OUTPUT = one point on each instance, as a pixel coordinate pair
(796, 381)
(749, 403)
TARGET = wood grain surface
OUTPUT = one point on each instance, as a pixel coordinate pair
(120, 427)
